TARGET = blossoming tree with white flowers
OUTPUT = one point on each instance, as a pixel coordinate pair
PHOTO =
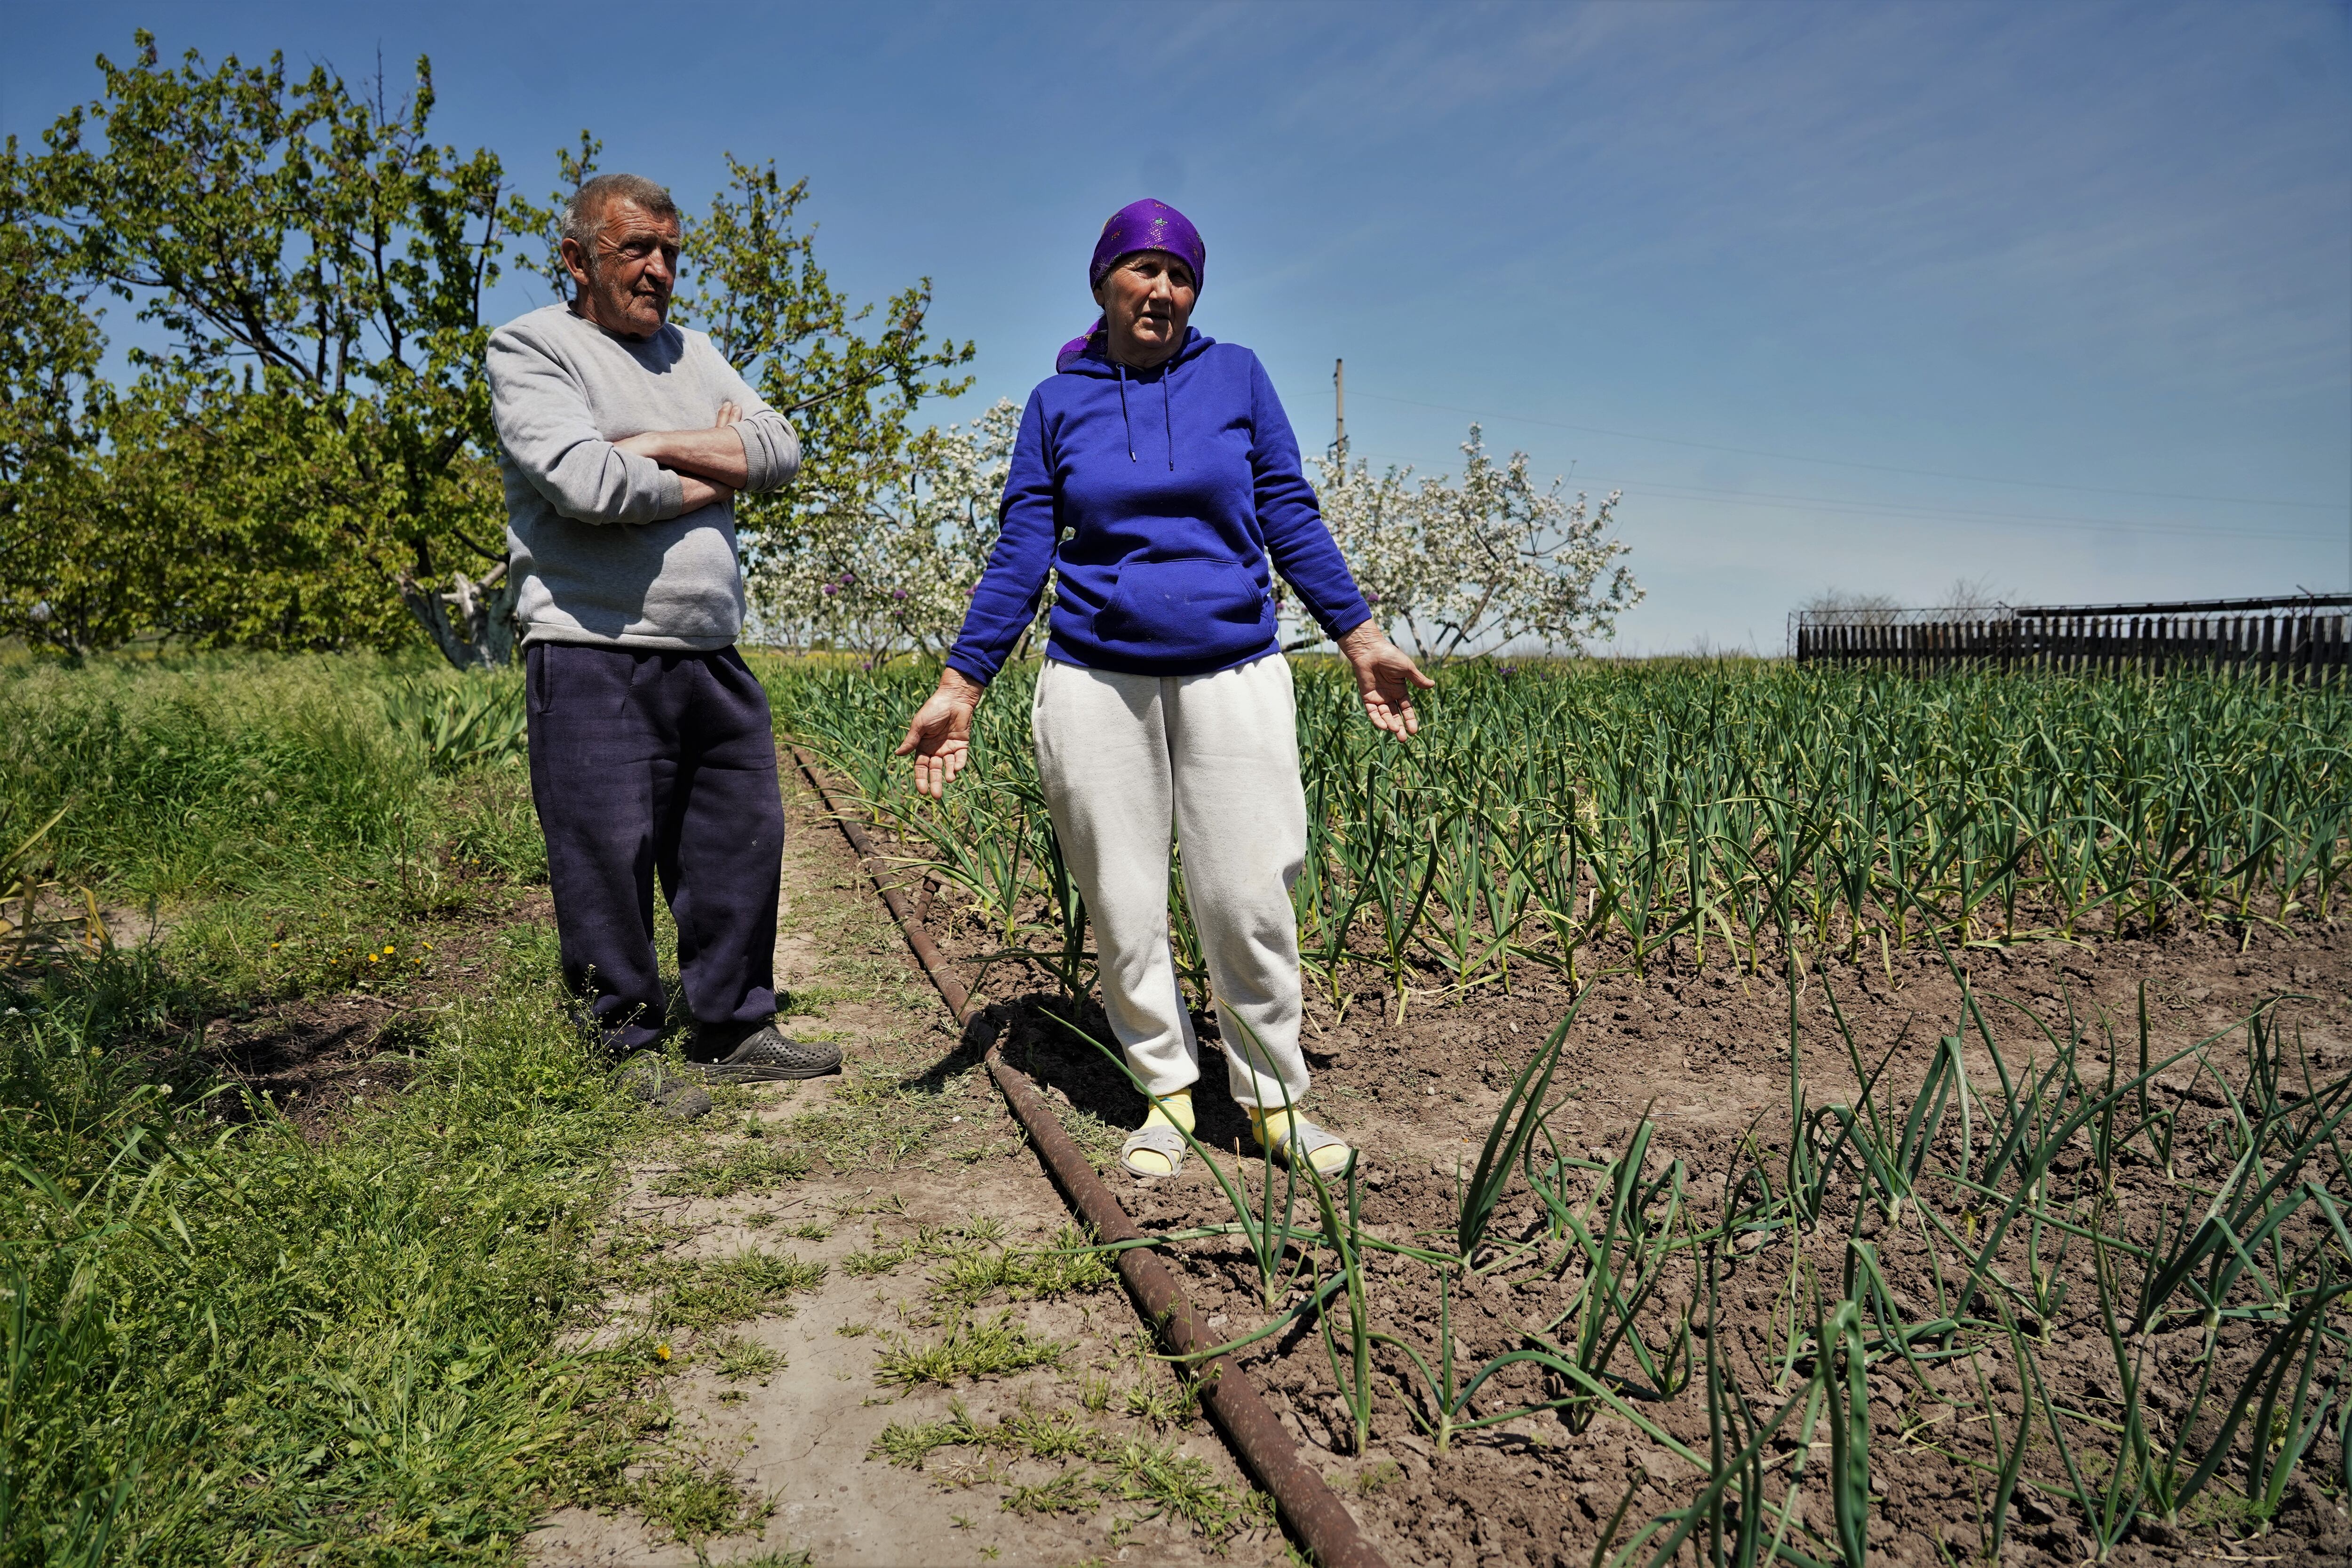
(1476, 566)
(895, 574)
(1457, 568)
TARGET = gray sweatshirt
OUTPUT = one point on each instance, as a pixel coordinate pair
(601, 545)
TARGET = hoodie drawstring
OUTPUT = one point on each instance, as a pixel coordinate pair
(1167, 414)
(1119, 372)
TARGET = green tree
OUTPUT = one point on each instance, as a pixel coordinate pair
(849, 382)
(317, 428)
(59, 585)
(309, 458)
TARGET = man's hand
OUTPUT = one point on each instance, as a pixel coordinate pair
(1385, 676)
(714, 456)
(940, 737)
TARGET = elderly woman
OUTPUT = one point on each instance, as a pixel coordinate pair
(1155, 473)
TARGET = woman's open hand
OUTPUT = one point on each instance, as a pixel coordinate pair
(940, 737)
(1385, 676)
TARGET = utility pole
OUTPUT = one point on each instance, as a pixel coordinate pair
(1339, 409)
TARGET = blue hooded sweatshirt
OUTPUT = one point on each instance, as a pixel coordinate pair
(1157, 495)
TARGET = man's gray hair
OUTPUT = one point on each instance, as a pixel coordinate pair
(584, 215)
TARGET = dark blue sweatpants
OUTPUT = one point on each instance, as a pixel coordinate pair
(646, 765)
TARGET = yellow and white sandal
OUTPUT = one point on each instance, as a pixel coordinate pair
(1161, 1137)
(1288, 1133)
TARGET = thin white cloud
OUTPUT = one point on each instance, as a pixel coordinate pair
(2057, 166)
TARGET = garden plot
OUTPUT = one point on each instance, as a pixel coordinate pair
(1946, 1160)
(1710, 1067)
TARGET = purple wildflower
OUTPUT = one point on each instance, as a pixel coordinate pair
(1371, 597)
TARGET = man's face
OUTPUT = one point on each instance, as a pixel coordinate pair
(627, 289)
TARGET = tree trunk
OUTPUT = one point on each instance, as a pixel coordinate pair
(472, 623)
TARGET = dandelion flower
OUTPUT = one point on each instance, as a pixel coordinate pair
(661, 1352)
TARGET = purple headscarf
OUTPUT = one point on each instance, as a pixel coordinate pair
(1139, 226)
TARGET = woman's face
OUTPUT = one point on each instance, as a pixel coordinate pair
(1147, 301)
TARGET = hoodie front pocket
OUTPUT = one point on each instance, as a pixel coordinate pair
(1195, 608)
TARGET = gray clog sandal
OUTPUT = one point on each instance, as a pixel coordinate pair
(1304, 1137)
(651, 1079)
(762, 1056)
(1157, 1138)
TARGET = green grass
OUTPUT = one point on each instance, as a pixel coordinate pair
(270, 807)
(877, 1122)
(707, 1293)
(739, 1358)
(970, 1349)
(225, 1343)
(1164, 1402)
(739, 1168)
(871, 1262)
(1127, 1470)
(1065, 1268)
(1072, 1492)
(696, 1498)
(910, 1443)
(1060, 1434)
(1180, 1487)
(964, 1239)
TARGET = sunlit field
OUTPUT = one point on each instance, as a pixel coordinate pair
(2007, 1240)
(2065, 1275)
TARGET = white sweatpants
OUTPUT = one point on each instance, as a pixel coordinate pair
(1120, 756)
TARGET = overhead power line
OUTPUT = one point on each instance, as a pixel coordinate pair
(1869, 467)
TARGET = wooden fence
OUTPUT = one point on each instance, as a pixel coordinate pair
(2302, 638)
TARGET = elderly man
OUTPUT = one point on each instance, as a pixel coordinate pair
(626, 441)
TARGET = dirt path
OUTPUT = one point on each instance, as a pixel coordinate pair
(805, 1239)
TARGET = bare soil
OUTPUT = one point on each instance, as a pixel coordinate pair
(314, 1056)
(1704, 1054)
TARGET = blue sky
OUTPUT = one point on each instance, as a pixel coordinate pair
(1870, 296)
